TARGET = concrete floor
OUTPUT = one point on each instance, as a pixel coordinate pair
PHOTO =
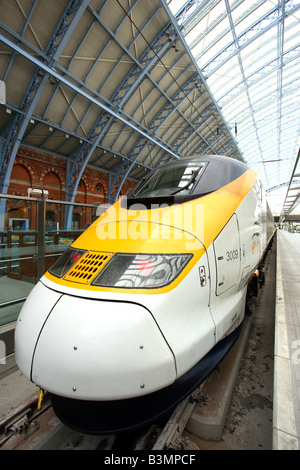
(287, 344)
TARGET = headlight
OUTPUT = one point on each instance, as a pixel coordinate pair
(66, 261)
(143, 271)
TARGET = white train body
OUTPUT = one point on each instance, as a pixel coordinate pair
(77, 339)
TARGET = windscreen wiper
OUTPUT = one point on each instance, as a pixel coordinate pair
(195, 173)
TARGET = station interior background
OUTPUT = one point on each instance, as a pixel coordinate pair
(96, 93)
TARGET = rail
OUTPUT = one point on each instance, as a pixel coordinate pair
(28, 427)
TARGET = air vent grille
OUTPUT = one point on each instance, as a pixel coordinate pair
(87, 267)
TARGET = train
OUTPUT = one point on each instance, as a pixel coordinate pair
(145, 303)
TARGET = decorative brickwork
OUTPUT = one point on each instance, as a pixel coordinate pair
(34, 169)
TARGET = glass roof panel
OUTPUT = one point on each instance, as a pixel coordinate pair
(254, 12)
(249, 54)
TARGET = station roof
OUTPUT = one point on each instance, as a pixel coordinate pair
(248, 52)
(124, 85)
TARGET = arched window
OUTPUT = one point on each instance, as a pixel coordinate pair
(20, 179)
(52, 184)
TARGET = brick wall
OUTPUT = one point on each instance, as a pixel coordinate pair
(38, 170)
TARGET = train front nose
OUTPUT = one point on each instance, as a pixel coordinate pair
(91, 349)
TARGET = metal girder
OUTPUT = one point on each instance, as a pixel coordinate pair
(171, 106)
(140, 69)
(29, 15)
(125, 91)
(12, 134)
(237, 48)
(132, 80)
(167, 110)
(278, 186)
(201, 75)
(258, 75)
(191, 130)
(194, 130)
(185, 18)
(125, 53)
(78, 90)
(202, 13)
(15, 130)
(259, 118)
(291, 200)
(249, 35)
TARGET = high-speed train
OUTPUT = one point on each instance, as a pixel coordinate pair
(144, 304)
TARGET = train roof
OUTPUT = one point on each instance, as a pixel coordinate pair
(208, 173)
(219, 171)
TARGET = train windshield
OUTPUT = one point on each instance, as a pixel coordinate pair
(170, 180)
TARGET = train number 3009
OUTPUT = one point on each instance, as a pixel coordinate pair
(231, 255)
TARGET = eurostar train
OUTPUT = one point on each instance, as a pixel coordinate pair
(145, 303)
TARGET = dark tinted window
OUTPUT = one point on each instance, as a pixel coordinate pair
(185, 179)
(170, 180)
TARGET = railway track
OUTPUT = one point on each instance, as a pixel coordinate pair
(29, 428)
(33, 427)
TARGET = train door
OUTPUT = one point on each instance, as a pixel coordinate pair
(227, 252)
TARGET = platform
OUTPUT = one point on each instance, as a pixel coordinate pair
(286, 411)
